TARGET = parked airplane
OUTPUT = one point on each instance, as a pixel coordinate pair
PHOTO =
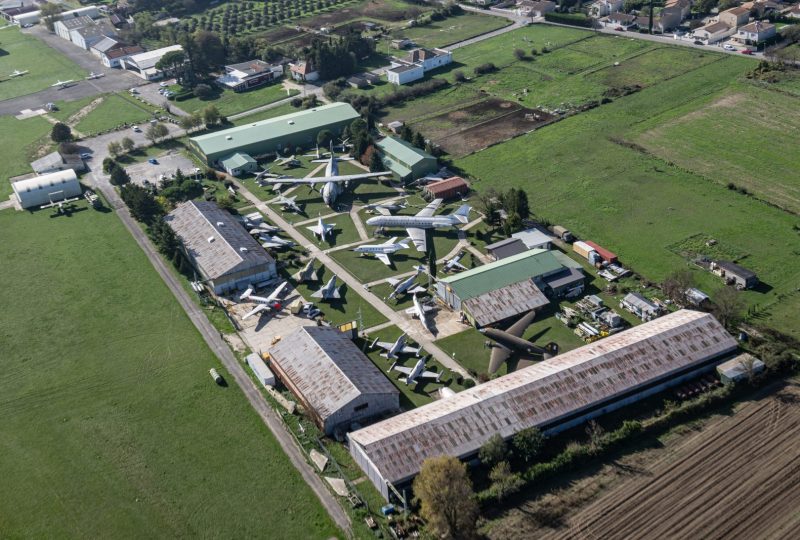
(268, 303)
(405, 286)
(382, 251)
(416, 225)
(268, 241)
(420, 312)
(393, 350)
(454, 263)
(329, 292)
(60, 204)
(18, 73)
(288, 163)
(386, 209)
(62, 84)
(333, 183)
(510, 340)
(288, 203)
(306, 274)
(417, 372)
(321, 229)
(94, 75)
(264, 228)
(317, 154)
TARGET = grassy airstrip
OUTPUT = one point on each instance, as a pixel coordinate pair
(19, 51)
(109, 423)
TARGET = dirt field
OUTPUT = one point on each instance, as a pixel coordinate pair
(477, 126)
(736, 478)
(374, 9)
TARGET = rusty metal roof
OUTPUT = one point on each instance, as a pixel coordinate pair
(216, 240)
(500, 304)
(543, 393)
(327, 368)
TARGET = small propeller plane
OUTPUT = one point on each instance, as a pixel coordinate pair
(94, 75)
(265, 304)
(416, 372)
(62, 84)
(394, 350)
(18, 73)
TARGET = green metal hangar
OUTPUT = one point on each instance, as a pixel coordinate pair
(236, 147)
(406, 161)
(503, 289)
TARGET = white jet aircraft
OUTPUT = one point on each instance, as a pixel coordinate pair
(268, 303)
(420, 312)
(382, 251)
(454, 263)
(268, 241)
(321, 229)
(288, 203)
(416, 225)
(329, 292)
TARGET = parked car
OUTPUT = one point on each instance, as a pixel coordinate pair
(27, 25)
(698, 42)
(134, 91)
(164, 84)
(86, 155)
(729, 47)
(746, 51)
(153, 161)
(619, 29)
(136, 129)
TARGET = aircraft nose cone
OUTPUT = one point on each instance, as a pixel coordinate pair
(371, 221)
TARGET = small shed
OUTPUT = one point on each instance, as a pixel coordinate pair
(260, 369)
(395, 126)
(734, 274)
(639, 306)
(357, 82)
(739, 368)
(534, 239)
(449, 188)
(238, 163)
(505, 248)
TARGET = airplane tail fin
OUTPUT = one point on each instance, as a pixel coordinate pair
(392, 240)
(462, 214)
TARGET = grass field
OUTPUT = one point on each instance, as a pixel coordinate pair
(343, 310)
(637, 204)
(45, 66)
(115, 110)
(18, 151)
(413, 395)
(452, 29)
(229, 102)
(274, 112)
(109, 423)
(344, 232)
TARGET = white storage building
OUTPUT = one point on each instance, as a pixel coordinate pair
(553, 395)
(260, 369)
(47, 188)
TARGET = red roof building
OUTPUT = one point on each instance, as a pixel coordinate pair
(448, 188)
(608, 256)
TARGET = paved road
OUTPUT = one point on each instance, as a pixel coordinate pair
(113, 81)
(415, 331)
(223, 352)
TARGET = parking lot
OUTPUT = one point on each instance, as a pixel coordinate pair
(166, 164)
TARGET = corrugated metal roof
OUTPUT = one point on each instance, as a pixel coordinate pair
(437, 188)
(327, 368)
(636, 299)
(46, 180)
(404, 152)
(197, 222)
(239, 159)
(532, 237)
(230, 140)
(542, 393)
(489, 277)
(149, 59)
(505, 302)
(506, 248)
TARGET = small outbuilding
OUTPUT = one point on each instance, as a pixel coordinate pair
(739, 368)
(46, 189)
(733, 274)
(260, 369)
(639, 306)
(449, 188)
(405, 160)
(56, 161)
(336, 383)
(534, 239)
(506, 248)
(238, 163)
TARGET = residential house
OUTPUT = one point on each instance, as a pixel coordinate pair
(755, 33)
(11, 10)
(762, 8)
(303, 71)
(603, 8)
(527, 8)
(685, 6)
(414, 66)
(401, 73)
(734, 17)
(619, 20)
(714, 32)
(250, 74)
(669, 18)
(793, 12)
(357, 82)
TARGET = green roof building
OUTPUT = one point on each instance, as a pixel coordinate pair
(273, 135)
(237, 163)
(405, 160)
(503, 289)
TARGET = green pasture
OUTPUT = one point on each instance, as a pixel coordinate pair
(452, 29)
(229, 102)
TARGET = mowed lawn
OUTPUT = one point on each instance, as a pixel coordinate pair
(45, 66)
(114, 111)
(274, 112)
(229, 102)
(110, 425)
(18, 151)
(453, 29)
(753, 135)
(587, 177)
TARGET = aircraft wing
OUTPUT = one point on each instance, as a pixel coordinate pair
(321, 179)
(393, 281)
(383, 211)
(317, 294)
(385, 345)
(335, 294)
(258, 309)
(429, 210)
(415, 290)
(498, 357)
(384, 258)
(277, 291)
(457, 264)
(314, 229)
(404, 370)
(418, 237)
(410, 350)
(519, 327)
(429, 375)
(271, 244)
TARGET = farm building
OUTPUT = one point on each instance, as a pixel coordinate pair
(402, 73)
(237, 163)
(275, 134)
(506, 248)
(405, 160)
(553, 395)
(606, 255)
(497, 291)
(223, 252)
(733, 274)
(260, 369)
(416, 63)
(303, 71)
(335, 381)
(247, 75)
(739, 368)
(639, 306)
(534, 239)
(47, 188)
(56, 161)
(144, 64)
(449, 188)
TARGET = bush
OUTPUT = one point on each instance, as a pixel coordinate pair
(404, 93)
(296, 102)
(485, 68)
(459, 76)
(203, 91)
(573, 19)
(519, 54)
(469, 383)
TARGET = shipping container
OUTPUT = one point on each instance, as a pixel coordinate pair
(583, 249)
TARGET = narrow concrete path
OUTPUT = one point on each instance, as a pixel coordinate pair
(362, 231)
